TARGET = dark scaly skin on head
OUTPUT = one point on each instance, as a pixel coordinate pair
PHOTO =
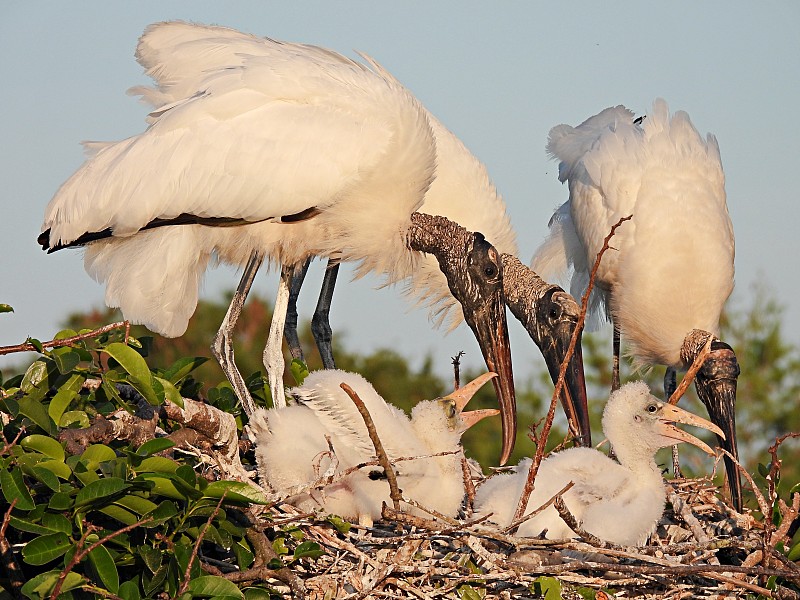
(474, 275)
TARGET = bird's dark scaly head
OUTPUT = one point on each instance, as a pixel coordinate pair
(485, 312)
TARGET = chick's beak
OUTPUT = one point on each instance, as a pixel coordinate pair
(464, 394)
(671, 414)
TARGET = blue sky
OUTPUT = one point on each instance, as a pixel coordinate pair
(499, 75)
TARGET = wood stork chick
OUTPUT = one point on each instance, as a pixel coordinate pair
(671, 270)
(292, 451)
(259, 149)
(618, 502)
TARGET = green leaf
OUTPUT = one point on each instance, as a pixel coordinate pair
(58, 467)
(279, 546)
(154, 446)
(60, 501)
(36, 344)
(74, 417)
(182, 367)
(101, 489)
(794, 553)
(36, 412)
(137, 369)
(548, 588)
(120, 514)
(237, 491)
(44, 445)
(255, 593)
(47, 477)
(103, 564)
(34, 376)
(4, 308)
(57, 523)
(211, 586)
(14, 488)
(171, 393)
(97, 453)
(467, 592)
(64, 396)
(45, 548)
(299, 370)
(308, 549)
(157, 464)
(129, 591)
(66, 359)
(339, 524)
(42, 585)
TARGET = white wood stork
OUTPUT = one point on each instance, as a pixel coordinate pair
(620, 502)
(671, 270)
(262, 149)
(291, 446)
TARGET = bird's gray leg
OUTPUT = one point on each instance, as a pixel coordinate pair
(320, 322)
(273, 351)
(290, 332)
(670, 383)
(222, 346)
(615, 363)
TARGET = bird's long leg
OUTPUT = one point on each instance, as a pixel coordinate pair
(320, 322)
(222, 346)
(273, 351)
(615, 359)
(670, 382)
(290, 331)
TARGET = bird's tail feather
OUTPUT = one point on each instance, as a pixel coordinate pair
(153, 277)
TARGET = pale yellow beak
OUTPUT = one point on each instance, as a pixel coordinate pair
(464, 394)
(671, 414)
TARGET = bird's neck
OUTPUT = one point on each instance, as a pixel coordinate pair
(639, 459)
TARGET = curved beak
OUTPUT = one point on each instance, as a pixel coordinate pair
(716, 388)
(464, 394)
(671, 414)
(554, 337)
(551, 316)
(491, 330)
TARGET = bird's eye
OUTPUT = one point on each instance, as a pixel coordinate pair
(652, 408)
(490, 271)
(450, 410)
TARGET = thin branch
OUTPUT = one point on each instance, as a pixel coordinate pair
(187, 574)
(697, 363)
(456, 360)
(394, 490)
(81, 553)
(10, 564)
(573, 524)
(29, 347)
(537, 459)
(530, 515)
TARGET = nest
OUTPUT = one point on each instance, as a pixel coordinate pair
(702, 548)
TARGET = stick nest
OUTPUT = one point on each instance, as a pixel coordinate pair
(702, 548)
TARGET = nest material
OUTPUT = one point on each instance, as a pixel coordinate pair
(702, 548)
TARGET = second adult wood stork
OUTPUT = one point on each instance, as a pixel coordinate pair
(671, 270)
(263, 149)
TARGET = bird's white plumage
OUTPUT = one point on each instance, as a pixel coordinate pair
(251, 128)
(288, 441)
(672, 267)
(620, 502)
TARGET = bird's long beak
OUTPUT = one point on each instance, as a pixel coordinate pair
(491, 330)
(554, 341)
(550, 316)
(716, 388)
(464, 394)
(671, 414)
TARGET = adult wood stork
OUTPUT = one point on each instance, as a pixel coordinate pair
(620, 502)
(262, 149)
(292, 450)
(671, 270)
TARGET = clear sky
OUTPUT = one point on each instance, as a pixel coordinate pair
(499, 75)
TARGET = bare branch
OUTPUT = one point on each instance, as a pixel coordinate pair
(394, 490)
(29, 347)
